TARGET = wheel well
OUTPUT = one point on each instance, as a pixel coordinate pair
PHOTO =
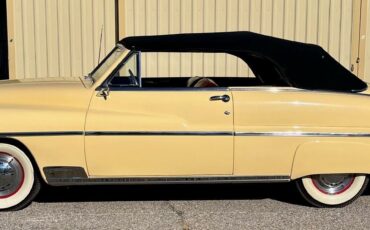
(24, 148)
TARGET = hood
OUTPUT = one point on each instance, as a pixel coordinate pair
(46, 84)
(40, 81)
(42, 92)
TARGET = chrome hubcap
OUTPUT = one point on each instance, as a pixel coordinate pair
(11, 175)
(333, 184)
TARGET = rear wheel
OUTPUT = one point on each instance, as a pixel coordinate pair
(19, 183)
(332, 190)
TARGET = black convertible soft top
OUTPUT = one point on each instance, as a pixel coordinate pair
(274, 61)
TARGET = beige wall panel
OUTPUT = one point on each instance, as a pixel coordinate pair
(362, 38)
(278, 18)
(324, 16)
(266, 17)
(186, 27)
(345, 34)
(98, 20)
(110, 26)
(40, 38)
(221, 26)
(52, 38)
(61, 38)
(140, 21)
(289, 19)
(301, 21)
(232, 25)
(198, 27)
(324, 22)
(312, 21)
(367, 47)
(151, 29)
(129, 13)
(255, 15)
(88, 56)
(29, 39)
(64, 40)
(175, 27)
(18, 39)
(334, 29)
(209, 26)
(163, 28)
(76, 38)
(243, 24)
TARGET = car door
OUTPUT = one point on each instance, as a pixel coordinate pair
(133, 131)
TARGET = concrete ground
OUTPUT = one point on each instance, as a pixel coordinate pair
(252, 206)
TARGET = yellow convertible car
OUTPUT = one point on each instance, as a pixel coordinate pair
(303, 118)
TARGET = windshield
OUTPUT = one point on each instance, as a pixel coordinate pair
(104, 66)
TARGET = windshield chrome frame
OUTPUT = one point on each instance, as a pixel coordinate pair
(118, 46)
(95, 81)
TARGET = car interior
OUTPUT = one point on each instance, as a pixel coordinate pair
(189, 82)
(266, 74)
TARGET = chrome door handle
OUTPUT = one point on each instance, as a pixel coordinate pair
(224, 98)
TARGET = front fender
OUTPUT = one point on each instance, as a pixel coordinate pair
(328, 157)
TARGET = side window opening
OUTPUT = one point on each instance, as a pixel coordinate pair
(191, 70)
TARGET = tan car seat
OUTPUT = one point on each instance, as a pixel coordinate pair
(201, 82)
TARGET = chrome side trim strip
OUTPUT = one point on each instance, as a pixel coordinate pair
(302, 134)
(186, 133)
(33, 134)
(156, 133)
(277, 89)
(277, 134)
(273, 89)
(174, 89)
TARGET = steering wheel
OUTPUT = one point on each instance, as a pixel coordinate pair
(132, 78)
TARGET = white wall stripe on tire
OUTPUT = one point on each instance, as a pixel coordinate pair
(334, 199)
(28, 179)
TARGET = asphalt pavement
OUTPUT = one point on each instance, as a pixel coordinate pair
(251, 206)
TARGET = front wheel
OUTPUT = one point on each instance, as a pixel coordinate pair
(19, 183)
(332, 190)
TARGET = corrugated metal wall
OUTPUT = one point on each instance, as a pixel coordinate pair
(367, 47)
(324, 22)
(61, 38)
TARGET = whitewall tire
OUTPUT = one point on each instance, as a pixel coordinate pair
(332, 190)
(19, 183)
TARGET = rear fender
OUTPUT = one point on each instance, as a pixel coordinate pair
(328, 157)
